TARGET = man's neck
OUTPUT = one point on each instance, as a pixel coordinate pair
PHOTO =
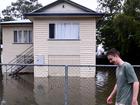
(120, 62)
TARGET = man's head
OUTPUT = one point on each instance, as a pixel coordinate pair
(113, 56)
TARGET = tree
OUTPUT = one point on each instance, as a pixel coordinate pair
(127, 27)
(132, 8)
(124, 26)
(17, 9)
(121, 29)
(105, 28)
(110, 6)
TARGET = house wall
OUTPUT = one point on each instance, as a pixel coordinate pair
(64, 8)
(10, 50)
(87, 46)
(83, 49)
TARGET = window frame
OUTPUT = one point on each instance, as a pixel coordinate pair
(22, 36)
(52, 35)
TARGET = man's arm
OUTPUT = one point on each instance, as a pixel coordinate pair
(135, 93)
(109, 99)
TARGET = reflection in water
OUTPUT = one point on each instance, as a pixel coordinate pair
(51, 91)
(27, 90)
(88, 91)
(41, 91)
(101, 79)
(105, 80)
(19, 91)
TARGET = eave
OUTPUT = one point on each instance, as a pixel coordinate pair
(65, 14)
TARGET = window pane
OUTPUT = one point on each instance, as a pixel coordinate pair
(19, 37)
(67, 31)
(60, 31)
(25, 37)
(51, 30)
(15, 36)
(30, 37)
(75, 31)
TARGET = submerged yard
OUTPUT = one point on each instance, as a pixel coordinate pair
(26, 90)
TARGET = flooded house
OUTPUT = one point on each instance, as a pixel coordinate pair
(60, 33)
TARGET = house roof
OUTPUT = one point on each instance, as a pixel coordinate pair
(87, 11)
(26, 21)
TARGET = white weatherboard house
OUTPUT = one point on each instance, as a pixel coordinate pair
(61, 33)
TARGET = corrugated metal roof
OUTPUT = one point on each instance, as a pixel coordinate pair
(26, 21)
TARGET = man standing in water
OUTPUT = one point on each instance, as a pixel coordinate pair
(126, 88)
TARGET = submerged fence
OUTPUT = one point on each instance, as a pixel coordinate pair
(75, 69)
(59, 90)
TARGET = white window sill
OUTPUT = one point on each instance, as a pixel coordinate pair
(63, 39)
(22, 43)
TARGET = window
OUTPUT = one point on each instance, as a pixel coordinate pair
(51, 31)
(64, 31)
(23, 36)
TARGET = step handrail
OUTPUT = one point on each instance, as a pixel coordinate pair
(15, 59)
(20, 54)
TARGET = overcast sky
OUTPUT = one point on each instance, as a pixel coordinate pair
(92, 4)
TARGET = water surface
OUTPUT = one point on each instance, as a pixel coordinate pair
(26, 90)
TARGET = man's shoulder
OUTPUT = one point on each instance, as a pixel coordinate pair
(127, 64)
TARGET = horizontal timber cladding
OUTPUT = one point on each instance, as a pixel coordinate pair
(63, 60)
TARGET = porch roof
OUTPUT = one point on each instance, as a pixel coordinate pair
(26, 21)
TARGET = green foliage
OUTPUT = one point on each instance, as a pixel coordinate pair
(105, 28)
(110, 6)
(121, 29)
(124, 28)
(17, 9)
(132, 8)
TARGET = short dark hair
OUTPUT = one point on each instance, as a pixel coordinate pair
(113, 52)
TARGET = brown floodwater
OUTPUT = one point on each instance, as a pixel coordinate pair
(26, 90)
